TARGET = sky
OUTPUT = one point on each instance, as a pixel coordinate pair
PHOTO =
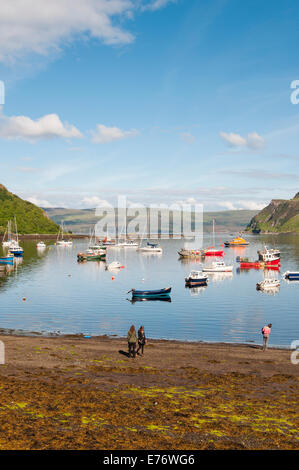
(161, 101)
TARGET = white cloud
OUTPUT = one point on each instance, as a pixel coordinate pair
(94, 201)
(243, 204)
(252, 141)
(39, 202)
(157, 4)
(104, 134)
(28, 26)
(46, 127)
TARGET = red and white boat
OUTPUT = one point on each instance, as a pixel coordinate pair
(270, 257)
(211, 250)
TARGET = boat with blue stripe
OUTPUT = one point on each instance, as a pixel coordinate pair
(151, 294)
(6, 259)
(291, 275)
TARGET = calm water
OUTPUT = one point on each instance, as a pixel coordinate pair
(62, 295)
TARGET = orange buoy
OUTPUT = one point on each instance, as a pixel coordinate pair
(24, 298)
(113, 278)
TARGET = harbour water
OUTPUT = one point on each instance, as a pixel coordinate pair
(49, 291)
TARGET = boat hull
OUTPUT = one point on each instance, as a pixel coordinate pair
(6, 259)
(292, 276)
(151, 294)
(196, 282)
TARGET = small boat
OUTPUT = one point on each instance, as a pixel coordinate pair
(150, 294)
(217, 267)
(271, 256)
(291, 275)
(92, 255)
(6, 259)
(268, 284)
(196, 278)
(16, 251)
(151, 248)
(185, 253)
(60, 240)
(40, 245)
(126, 244)
(114, 265)
(238, 241)
(212, 251)
(246, 263)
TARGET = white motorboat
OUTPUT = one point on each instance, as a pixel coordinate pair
(217, 267)
(151, 248)
(40, 245)
(114, 265)
(196, 278)
(268, 284)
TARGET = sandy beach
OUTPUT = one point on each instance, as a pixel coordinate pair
(71, 392)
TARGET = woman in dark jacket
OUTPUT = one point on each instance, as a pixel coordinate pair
(141, 340)
(132, 341)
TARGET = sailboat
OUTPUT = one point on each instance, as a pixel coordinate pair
(212, 251)
(14, 247)
(60, 240)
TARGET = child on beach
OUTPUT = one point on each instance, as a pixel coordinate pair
(141, 340)
(266, 333)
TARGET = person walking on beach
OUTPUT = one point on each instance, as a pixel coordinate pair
(266, 333)
(132, 341)
(141, 340)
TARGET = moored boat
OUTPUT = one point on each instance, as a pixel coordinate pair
(212, 251)
(114, 265)
(151, 294)
(196, 278)
(60, 240)
(151, 248)
(217, 267)
(238, 241)
(186, 253)
(291, 275)
(92, 255)
(6, 259)
(246, 263)
(271, 256)
(40, 245)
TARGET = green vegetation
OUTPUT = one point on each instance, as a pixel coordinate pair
(280, 216)
(30, 218)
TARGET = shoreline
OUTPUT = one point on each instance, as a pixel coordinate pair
(69, 392)
(36, 334)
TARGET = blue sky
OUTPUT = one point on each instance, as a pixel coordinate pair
(163, 101)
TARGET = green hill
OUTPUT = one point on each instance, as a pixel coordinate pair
(280, 216)
(30, 218)
(82, 220)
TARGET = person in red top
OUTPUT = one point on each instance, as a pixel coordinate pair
(266, 333)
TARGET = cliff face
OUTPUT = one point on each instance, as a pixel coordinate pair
(30, 218)
(279, 216)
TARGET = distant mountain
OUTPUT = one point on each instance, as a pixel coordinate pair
(30, 218)
(279, 216)
(80, 221)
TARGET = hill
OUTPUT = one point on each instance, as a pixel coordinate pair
(30, 218)
(280, 216)
(81, 221)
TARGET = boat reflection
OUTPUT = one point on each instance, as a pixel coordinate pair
(219, 277)
(194, 291)
(162, 299)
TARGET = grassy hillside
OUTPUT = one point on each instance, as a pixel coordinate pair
(80, 221)
(30, 218)
(279, 216)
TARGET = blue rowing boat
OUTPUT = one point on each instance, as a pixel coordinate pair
(151, 294)
(292, 276)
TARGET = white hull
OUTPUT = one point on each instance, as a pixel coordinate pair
(64, 243)
(223, 269)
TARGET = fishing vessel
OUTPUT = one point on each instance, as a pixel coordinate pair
(151, 248)
(186, 253)
(238, 241)
(92, 255)
(246, 263)
(217, 267)
(291, 275)
(60, 240)
(212, 251)
(150, 294)
(268, 284)
(271, 256)
(196, 278)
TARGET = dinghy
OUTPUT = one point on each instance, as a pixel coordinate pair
(150, 294)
